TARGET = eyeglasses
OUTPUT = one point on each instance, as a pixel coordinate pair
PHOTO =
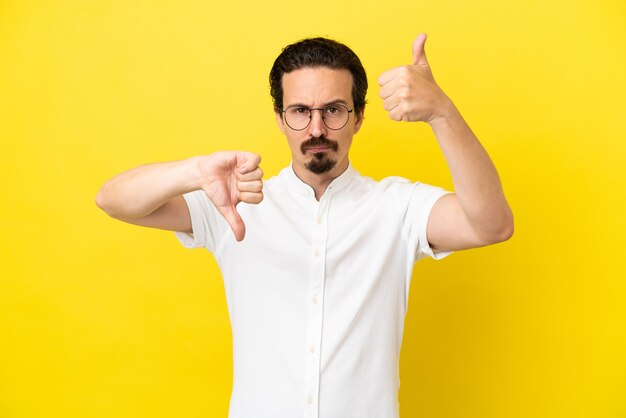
(334, 116)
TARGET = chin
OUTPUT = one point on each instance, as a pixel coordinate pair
(320, 164)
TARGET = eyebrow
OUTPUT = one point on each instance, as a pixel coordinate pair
(337, 101)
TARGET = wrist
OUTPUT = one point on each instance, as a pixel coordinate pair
(192, 168)
(446, 114)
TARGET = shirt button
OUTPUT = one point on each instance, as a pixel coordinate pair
(309, 400)
(312, 349)
(314, 300)
(317, 253)
(319, 221)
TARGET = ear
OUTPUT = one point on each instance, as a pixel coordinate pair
(281, 123)
(359, 120)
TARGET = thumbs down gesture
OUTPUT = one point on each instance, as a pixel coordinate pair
(231, 177)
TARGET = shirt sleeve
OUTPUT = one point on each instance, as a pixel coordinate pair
(421, 201)
(207, 223)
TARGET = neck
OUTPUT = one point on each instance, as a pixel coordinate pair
(319, 182)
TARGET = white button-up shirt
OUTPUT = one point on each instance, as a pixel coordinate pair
(317, 292)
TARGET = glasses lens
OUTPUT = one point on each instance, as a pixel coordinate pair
(297, 117)
(336, 116)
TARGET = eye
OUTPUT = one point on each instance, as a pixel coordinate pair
(331, 110)
(299, 110)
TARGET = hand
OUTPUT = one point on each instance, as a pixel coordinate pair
(409, 92)
(230, 177)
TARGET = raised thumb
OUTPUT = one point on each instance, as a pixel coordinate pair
(419, 54)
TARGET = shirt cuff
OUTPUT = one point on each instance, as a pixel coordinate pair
(198, 237)
(425, 247)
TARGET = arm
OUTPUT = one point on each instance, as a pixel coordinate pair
(151, 195)
(478, 213)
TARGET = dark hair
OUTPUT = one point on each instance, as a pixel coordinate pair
(318, 52)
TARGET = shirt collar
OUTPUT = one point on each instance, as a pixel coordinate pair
(336, 185)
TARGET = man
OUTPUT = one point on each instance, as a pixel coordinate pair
(317, 285)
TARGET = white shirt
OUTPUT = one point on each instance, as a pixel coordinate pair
(317, 292)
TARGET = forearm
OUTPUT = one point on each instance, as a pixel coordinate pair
(476, 181)
(139, 191)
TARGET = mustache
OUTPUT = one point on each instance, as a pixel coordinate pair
(318, 141)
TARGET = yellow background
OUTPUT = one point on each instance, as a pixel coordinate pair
(103, 319)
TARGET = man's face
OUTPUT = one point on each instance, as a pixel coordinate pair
(318, 149)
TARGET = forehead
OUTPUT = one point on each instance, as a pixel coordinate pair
(317, 86)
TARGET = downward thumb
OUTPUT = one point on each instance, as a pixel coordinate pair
(419, 54)
(234, 220)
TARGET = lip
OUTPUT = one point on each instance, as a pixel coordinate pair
(318, 149)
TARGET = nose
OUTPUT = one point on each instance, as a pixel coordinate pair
(317, 127)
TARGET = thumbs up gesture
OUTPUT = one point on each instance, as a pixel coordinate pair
(231, 177)
(409, 92)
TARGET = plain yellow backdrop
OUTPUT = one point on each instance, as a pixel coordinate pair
(99, 319)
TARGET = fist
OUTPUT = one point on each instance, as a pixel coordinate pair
(230, 177)
(409, 92)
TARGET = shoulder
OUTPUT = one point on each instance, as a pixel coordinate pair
(392, 184)
(401, 186)
(395, 191)
(391, 192)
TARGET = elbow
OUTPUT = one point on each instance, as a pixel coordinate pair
(113, 204)
(509, 226)
(100, 201)
(505, 230)
(104, 203)
(496, 233)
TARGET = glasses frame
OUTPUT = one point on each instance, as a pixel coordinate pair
(311, 109)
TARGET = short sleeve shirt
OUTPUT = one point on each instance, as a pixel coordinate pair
(317, 292)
